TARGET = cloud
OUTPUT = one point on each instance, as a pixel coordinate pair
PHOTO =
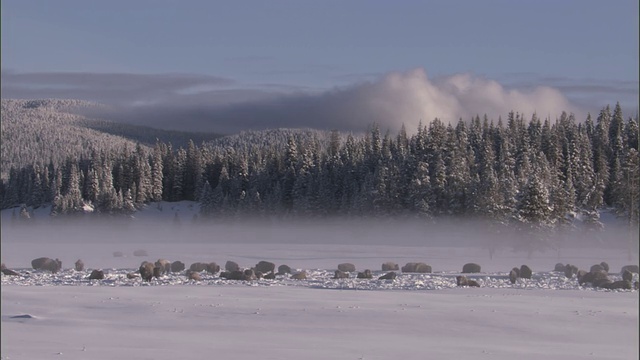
(109, 88)
(590, 94)
(206, 103)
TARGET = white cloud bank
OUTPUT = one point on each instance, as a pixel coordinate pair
(391, 100)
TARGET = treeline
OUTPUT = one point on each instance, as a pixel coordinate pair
(51, 130)
(520, 170)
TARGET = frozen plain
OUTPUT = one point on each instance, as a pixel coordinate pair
(65, 316)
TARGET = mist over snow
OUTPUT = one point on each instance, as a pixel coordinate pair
(415, 316)
(185, 102)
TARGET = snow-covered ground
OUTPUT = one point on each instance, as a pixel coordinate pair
(416, 316)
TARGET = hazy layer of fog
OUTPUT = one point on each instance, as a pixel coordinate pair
(401, 232)
(215, 104)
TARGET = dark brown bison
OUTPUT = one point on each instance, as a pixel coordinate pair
(525, 272)
(177, 266)
(620, 284)
(146, 270)
(212, 268)
(596, 278)
(238, 275)
(9, 272)
(96, 275)
(157, 272)
(198, 267)
(341, 275)
(470, 268)
(464, 281)
(388, 276)
(45, 263)
(231, 266)
(79, 265)
(284, 269)
(347, 267)
(6, 271)
(570, 270)
(164, 265)
(390, 266)
(265, 267)
(559, 267)
(365, 274)
(416, 267)
(140, 252)
(513, 276)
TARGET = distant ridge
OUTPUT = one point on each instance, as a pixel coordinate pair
(40, 131)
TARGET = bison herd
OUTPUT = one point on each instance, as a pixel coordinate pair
(597, 276)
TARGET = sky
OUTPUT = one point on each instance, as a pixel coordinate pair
(227, 66)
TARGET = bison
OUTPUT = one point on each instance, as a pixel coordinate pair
(6, 271)
(9, 272)
(341, 275)
(365, 274)
(140, 252)
(513, 275)
(193, 275)
(164, 265)
(284, 269)
(265, 267)
(146, 270)
(347, 267)
(390, 266)
(79, 265)
(299, 276)
(525, 272)
(238, 275)
(416, 267)
(96, 275)
(231, 266)
(620, 284)
(570, 270)
(464, 281)
(388, 276)
(198, 267)
(596, 278)
(45, 263)
(470, 268)
(631, 268)
(177, 266)
(212, 268)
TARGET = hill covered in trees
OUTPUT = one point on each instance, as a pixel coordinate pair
(532, 173)
(50, 130)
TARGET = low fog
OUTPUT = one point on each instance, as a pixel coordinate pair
(57, 236)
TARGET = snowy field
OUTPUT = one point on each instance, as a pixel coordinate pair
(416, 316)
